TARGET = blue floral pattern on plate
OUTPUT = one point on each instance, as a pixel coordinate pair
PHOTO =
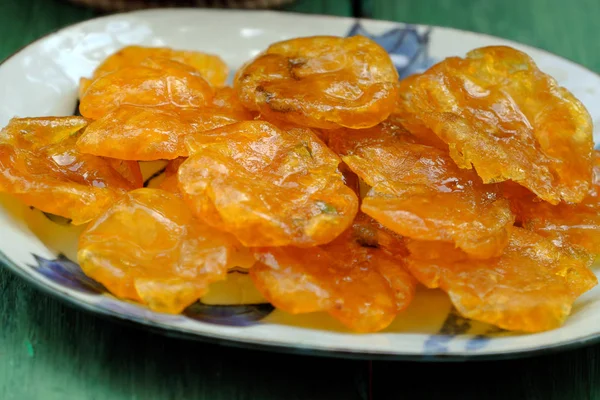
(65, 272)
(408, 48)
(135, 312)
(231, 315)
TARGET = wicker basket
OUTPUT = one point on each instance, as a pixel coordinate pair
(127, 5)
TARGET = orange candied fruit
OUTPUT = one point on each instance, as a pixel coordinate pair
(154, 133)
(565, 224)
(156, 83)
(40, 164)
(211, 67)
(503, 116)
(352, 278)
(148, 247)
(321, 82)
(419, 192)
(531, 287)
(267, 186)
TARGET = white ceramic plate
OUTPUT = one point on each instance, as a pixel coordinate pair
(42, 80)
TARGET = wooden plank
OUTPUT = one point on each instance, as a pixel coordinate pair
(565, 376)
(52, 352)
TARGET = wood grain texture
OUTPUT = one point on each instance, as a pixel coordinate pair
(52, 352)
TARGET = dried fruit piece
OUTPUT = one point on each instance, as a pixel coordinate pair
(420, 133)
(170, 182)
(211, 67)
(152, 133)
(530, 287)
(267, 186)
(351, 278)
(500, 114)
(40, 165)
(227, 100)
(137, 133)
(321, 82)
(148, 247)
(158, 83)
(84, 84)
(419, 192)
(225, 109)
(129, 170)
(565, 224)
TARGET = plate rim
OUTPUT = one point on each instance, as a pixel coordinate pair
(176, 332)
(206, 337)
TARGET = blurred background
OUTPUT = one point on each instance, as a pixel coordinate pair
(567, 28)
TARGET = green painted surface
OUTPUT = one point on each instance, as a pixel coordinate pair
(329, 7)
(22, 21)
(567, 28)
(52, 352)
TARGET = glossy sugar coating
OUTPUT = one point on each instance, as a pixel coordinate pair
(419, 192)
(500, 114)
(211, 67)
(421, 134)
(321, 82)
(40, 165)
(154, 133)
(224, 109)
(530, 287)
(157, 83)
(565, 224)
(84, 84)
(352, 278)
(148, 247)
(129, 170)
(226, 98)
(137, 133)
(171, 183)
(267, 186)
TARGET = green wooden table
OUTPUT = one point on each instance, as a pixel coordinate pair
(51, 352)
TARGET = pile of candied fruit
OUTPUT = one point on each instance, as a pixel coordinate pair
(338, 186)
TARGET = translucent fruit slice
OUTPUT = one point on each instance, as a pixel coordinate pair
(500, 114)
(211, 67)
(419, 192)
(352, 278)
(566, 224)
(170, 183)
(530, 287)
(321, 82)
(129, 170)
(153, 133)
(148, 247)
(267, 186)
(157, 83)
(40, 165)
